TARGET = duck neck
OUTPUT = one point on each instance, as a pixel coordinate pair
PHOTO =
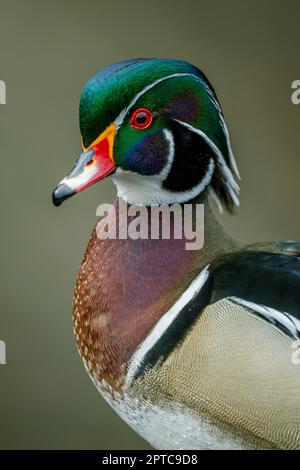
(216, 240)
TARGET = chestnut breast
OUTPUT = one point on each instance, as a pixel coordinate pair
(123, 288)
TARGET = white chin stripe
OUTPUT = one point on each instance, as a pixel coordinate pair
(148, 190)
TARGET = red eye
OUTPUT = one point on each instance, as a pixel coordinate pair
(141, 118)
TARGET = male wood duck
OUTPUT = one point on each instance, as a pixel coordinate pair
(193, 348)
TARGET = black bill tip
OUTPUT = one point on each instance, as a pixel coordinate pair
(61, 193)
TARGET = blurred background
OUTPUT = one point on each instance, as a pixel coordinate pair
(250, 52)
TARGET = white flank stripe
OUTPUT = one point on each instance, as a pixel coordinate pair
(285, 319)
(163, 324)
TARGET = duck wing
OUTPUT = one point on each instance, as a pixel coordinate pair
(230, 353)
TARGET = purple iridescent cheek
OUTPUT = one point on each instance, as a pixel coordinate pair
(149, 155)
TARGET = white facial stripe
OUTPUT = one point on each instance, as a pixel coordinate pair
(228, 178)
(164, 322)
(119, 120)
(286, 320)
(170, 139)
(222, 122)
(231, 156)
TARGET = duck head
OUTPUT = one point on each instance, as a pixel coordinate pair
(156, 126)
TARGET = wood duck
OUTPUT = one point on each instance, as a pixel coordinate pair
(192, 348)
